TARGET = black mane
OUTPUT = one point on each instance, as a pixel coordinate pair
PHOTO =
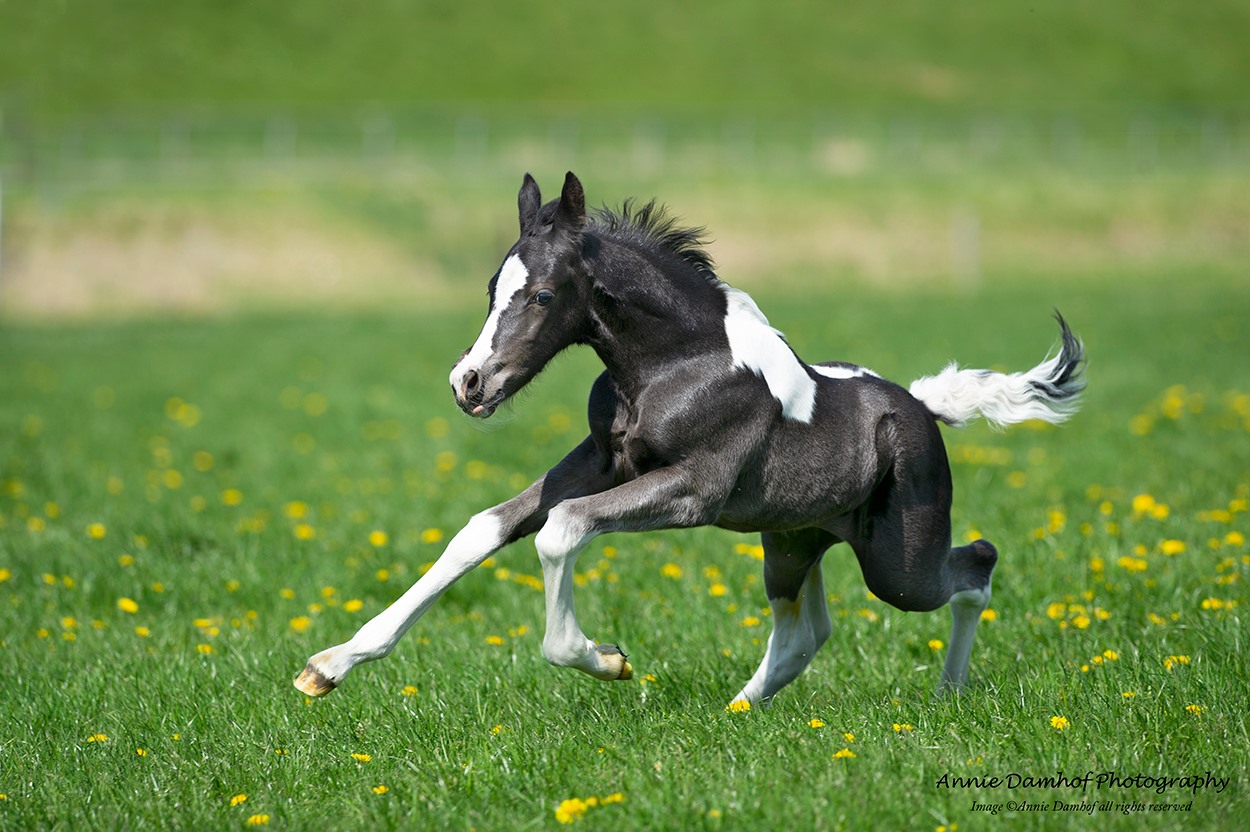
(652, 227)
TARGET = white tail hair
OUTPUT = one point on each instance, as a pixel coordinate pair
(1048, 392)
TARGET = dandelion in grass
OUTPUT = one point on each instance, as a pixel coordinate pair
(1129, 694)
(380, 789)
(1060, 723)
(237, 799)
(571, 810)
(354, 605)
(845, 754)
(494, 641)
(142, 632)
(989, 615)
(431, 535)
(1195, 710)
(100, 738)
(816, 723)
(300, 623)
(362, 758)
(378, 538)
(409, 690)
(750, 621)
(903, 727)
(258, 820)
(671, 570)
(141, 752)
(936, 644)
(204, 649)
(739, 706)
(1173, 662)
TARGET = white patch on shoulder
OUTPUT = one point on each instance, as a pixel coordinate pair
(757, 347)
(844, 372)
(512, 278)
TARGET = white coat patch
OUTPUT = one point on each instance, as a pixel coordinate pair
(512, 278)
(757, 347)
(844, 372)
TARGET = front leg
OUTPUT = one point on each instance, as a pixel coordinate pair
(663, 499)
(583, 471)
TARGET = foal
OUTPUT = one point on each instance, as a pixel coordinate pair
(705, 416)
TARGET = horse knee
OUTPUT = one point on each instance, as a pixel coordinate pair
(563, 534)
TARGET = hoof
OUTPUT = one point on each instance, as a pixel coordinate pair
(312, 682)
(616, 661)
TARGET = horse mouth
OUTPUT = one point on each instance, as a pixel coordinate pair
(483, 409)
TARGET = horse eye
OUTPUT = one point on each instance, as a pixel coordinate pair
(543, 297)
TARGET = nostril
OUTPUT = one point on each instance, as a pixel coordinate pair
(471, 382)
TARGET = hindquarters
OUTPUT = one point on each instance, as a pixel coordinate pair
(901, 533)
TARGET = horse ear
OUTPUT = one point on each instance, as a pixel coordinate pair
(572, 210)
(528, 202)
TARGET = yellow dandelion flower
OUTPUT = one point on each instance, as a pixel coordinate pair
(901, 727)
(1131, 564)
(142, 632)
(96, 531)
(258, 820)
(738, 706)
(1234, 538)
(1143, 504)
(5, 575)
(1172, 662)
(378, 538)
(816, 723)
(383, 574)
(1060, 723)
(380, 789)
(988, 615)
(300, 623)
(671, 570)
(98, 738)
(204, 649)
(409, 690)
(571, 810)
(362, 758)
(844, 754)
(494, 641)
(1111, 655)
(1196, 710)
(431, 536)
(232, 496)
(1129, 694)
(936, 644)
(1172, 547)
(354, 605)
(237, 799)
(717, 590)
(303, 531)
(296, 509)
(287, 593)
(848, 736)
(750, 621)
(142, 752)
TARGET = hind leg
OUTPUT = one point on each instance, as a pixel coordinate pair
(966, 608)
(796, 594)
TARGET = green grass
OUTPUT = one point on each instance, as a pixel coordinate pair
(918, 56)
(347, 420)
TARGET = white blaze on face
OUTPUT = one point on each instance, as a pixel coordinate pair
(512, 278)
(758, 347)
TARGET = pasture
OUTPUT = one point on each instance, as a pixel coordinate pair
(190, 508)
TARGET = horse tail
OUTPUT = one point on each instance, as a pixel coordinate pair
(1048, 392)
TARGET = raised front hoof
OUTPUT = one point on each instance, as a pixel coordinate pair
(312, 682)
(616, 663)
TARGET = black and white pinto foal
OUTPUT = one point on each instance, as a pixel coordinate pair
(705, 416)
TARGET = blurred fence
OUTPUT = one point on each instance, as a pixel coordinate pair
(93, 153)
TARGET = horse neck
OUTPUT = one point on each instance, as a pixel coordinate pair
(652, 310)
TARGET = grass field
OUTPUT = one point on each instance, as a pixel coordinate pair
(188, 509)
(241, 247)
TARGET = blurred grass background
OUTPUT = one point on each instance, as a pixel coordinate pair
(224, 156)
